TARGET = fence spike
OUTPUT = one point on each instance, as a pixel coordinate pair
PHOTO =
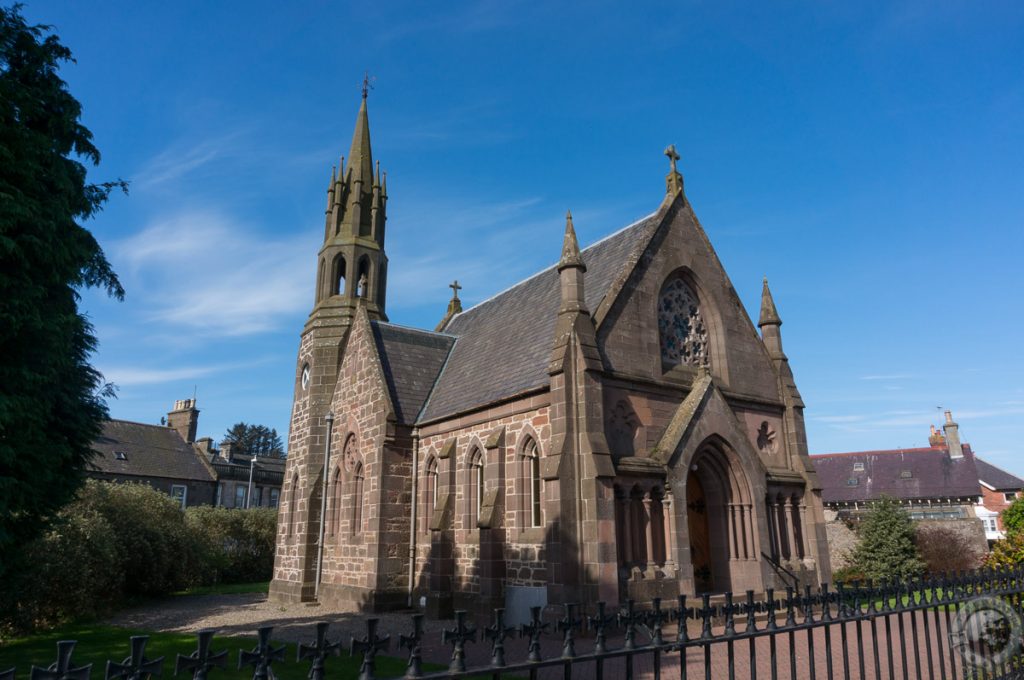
(598, 623)
(413, 641)
(262, 656)
(136, 666)
(202, 661)
(533, 629)
(318, 651)
(368, 647)
(497, 633)
(459, 636)
(61, 668)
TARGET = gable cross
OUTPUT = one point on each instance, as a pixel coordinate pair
(262, 656)
(673, 156)
(455, 289)
(61, 668)
(136, 666)
(201, 661)
(369, 646)
(674, 181)
(318, 651)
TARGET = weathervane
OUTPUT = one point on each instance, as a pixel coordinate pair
(367, 83)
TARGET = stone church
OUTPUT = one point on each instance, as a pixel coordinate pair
(612, 427)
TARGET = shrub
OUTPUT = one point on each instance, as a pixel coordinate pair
(236, 546)
(848, 574)
(1013, 517)
(943, 549)
(885, 548)
(1007, 552)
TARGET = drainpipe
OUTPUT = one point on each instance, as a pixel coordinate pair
(412, 512)
(248, 491)
(323, 507)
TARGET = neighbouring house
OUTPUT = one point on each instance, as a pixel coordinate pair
(999, 489)
(614, 427)
(937, 483)
(170, 458)
(238, 472)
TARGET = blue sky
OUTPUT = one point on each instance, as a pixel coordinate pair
(867, 157)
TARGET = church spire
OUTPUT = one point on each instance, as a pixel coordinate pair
(353, 265)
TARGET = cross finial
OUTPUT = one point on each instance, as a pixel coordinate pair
(673, 156)
(454, 285)
(367, 83)
(674, 181)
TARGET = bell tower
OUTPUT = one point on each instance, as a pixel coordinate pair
(352, 264)
(351, 276)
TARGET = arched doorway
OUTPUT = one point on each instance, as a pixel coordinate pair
(720, 519)
(700, 538)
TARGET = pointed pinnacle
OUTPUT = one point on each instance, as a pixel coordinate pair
(570, 247)
(769, 315)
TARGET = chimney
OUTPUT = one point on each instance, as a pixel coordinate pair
(225, 451)
(935, 439)
(205, 445)
(184, 418)
(952, 432)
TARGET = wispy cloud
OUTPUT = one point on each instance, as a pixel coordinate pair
(203, 272)
(130, 376)
(182, 158)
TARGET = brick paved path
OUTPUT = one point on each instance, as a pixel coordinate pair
(243, 614)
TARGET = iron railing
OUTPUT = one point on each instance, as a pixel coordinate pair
(958, 626)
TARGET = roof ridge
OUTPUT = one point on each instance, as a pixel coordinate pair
(412, 328)
(916, 449)
(1003, 470)
(135, 422)
(433, 386)
(552, 266)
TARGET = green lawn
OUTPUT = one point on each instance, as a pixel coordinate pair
(228, 589)
(97, 644)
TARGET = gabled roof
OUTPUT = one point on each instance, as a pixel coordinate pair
(502, 344)
(997, 478)
(906, 474)
(139, 450)
(412, 360)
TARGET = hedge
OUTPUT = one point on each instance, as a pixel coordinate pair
(118, 542)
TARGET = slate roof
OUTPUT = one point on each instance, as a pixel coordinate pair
(503, 344)
(997, 478)
(149, 451)
(412, 360)
(932, 475)
(268, 470)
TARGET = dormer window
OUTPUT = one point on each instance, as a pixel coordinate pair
(120, 455)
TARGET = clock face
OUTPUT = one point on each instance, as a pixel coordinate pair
(305, 376)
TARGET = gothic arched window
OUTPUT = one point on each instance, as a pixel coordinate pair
(357, 506)
(335, 502)
(684, 335)
(475, 487)
(531, 465)
(429, 491)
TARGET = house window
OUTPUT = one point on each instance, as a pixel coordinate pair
(852, 481)
(275, 497)
(1010, 496)
(906, 474)
(239, 496)
(179, 492)
(257, 496)
(858, 467)
(684, 336)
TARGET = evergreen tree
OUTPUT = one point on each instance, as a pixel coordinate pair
(1013, 517)
(52, 402)
(886, 547)
(258, 440)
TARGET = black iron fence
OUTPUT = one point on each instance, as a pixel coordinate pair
(964, 625)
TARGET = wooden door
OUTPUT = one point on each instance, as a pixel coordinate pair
(700, 543)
